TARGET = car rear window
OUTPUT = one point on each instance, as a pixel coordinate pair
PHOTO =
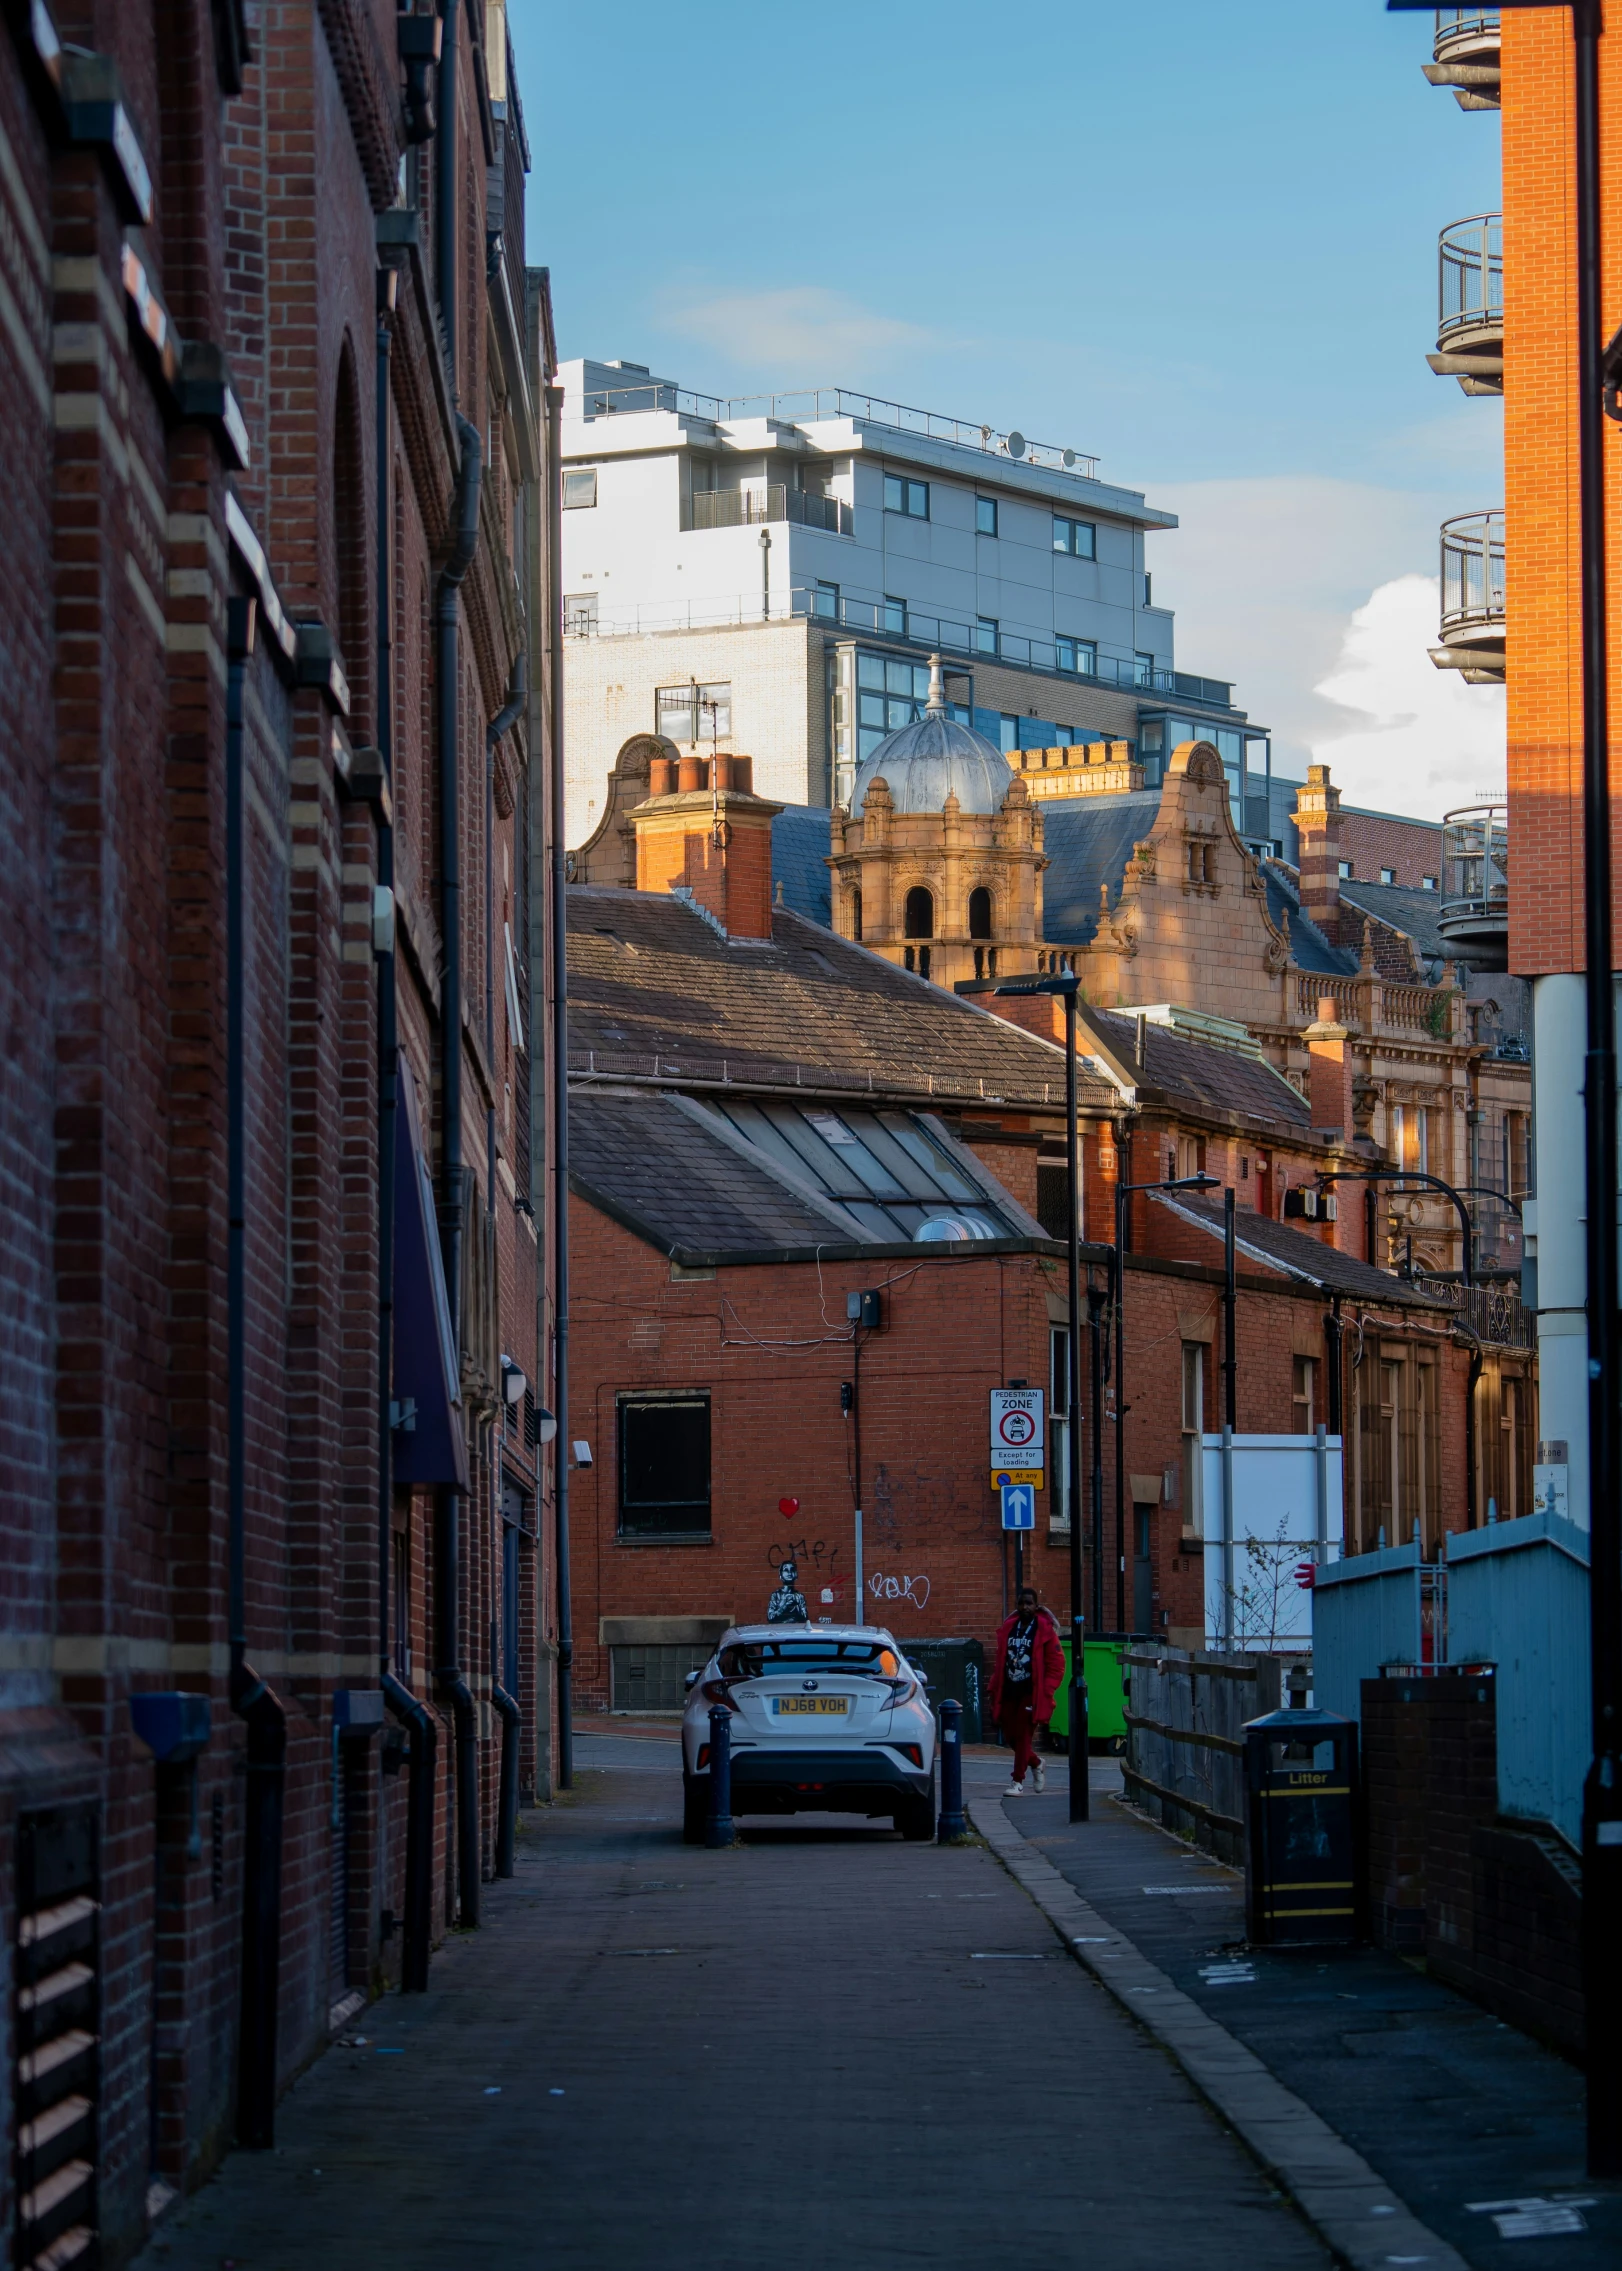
(760, 1659)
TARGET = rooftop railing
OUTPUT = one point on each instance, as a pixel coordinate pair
(805, 406)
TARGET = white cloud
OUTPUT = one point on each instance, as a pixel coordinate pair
(1426, 740)
(803, 335)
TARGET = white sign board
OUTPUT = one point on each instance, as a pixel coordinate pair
(1016, 1426)
(1286, 1511)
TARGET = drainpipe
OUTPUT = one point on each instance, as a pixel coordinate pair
(397, 1698)
(448, 1499)
(560, 1088)
(512, 1719)
(251, 1700)
(445, 246)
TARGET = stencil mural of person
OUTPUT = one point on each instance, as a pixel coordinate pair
(787, 1604)
(1025, 1675)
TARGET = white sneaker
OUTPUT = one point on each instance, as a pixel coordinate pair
(1039, 1776)
(1015, 1790)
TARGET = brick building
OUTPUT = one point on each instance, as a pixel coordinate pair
(268, 776)
(767, 1119)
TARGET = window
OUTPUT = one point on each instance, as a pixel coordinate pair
(1077, 537)
(1053, 1193)
(1343, 868)
(856, 914)
(1303, 1371)
(580, 614)
(1078, 654)
(1201, 859)
(1388, 875)
(579, 489)
(1148, 590)
(664, 1466)
(920, 915)
(895, 616)
(1058, 1407)
(985, 634)
(1517, 1179)
(908, 497)
(985, 516)
(979, 912)
(1143, 669)
(889, 693)
(1193, 1428)
(1427, 883)
(825, 601)
(694, 713)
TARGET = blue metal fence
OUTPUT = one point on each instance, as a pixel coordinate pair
(1366, 1611)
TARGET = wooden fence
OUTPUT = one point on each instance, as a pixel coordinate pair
(1184, 1741)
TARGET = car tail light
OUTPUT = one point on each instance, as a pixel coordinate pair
(717, 1691)
(703, 1756)
(911, 1752)
(902, 1691)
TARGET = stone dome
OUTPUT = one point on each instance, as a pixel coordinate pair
(925, 763)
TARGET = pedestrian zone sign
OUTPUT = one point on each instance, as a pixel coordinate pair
(1016, 1427)
(1018, 1506)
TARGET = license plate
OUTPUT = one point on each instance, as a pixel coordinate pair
(818, 1706)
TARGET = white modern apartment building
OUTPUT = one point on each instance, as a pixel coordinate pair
(770, 575)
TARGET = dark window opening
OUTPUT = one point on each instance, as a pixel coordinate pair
(920, 918)
(664, 1466)
(856, 914)
(980, 912)
(923, 961)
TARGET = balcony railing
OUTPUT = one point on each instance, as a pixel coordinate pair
(806, 406)
(1474, 913)
(1379, 1005)
(1473, 598)
(744, 508)
(1470, 315)
(1466, 49)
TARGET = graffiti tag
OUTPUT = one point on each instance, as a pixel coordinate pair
(913, 1589)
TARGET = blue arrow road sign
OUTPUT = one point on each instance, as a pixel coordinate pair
(1018, 1506)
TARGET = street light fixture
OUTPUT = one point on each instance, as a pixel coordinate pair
(1064, 984)
(1124, 1191)
(1602, 1788)
(1411, 1175)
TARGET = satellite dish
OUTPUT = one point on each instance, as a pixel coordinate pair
(1016, 445)
(1069, 459)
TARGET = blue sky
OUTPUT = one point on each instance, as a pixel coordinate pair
(1195, 239)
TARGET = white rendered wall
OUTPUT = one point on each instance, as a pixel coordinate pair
(1559, 1040)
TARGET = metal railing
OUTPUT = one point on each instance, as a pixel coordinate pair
(1470, 283)
(744, 508)
(1493, 1312)
(1472, 572)
(694, 1070)
(1459, 26)
(804, 406)
(1475, 861)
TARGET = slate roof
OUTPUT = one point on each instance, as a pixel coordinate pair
(1088, 841)
(661, 1172)
(1303, 1256)
(1205, 1075)
(1309, 949)
(1414, 913)
(655, 991)
(801, 840)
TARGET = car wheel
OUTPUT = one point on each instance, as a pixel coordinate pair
(916, 1821)
(695, 1809)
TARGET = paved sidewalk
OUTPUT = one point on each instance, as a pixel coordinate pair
(824, 2047)
(1449, 2106)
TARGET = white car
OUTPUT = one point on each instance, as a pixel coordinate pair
(826, 1718)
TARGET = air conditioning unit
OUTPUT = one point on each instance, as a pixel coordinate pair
(1309, 1206)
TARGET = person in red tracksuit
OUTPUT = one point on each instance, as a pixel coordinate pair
(1026, 1673)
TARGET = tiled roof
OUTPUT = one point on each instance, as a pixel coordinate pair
(1304, 1256)
(1309, 949)
(1203, 1074)
(656, 992)
(1414, 913)
(1088, 841)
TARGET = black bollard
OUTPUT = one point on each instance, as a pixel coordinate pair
(952, 1822)
(719, 1830)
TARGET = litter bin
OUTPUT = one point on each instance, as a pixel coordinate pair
(953, 1668)
(1302, 1845)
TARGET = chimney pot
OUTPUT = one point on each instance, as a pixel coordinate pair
(662, 776)
(691, 773)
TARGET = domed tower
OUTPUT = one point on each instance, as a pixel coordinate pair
(938, 863)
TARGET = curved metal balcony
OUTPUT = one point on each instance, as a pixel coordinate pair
(1474, 913)
(1473, 598)
(1470, 310)
(1466, 52)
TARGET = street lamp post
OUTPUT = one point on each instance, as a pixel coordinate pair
(1124, 1191)
(1064, 984)
(1412, 1175)
(1602, 1788)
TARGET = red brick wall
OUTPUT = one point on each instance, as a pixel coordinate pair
(1374, 840)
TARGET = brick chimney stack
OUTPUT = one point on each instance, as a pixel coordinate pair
(712, 838)
(1329, 1076)
(1317, 818)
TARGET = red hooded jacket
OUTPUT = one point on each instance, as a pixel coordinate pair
(1047, 1666)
